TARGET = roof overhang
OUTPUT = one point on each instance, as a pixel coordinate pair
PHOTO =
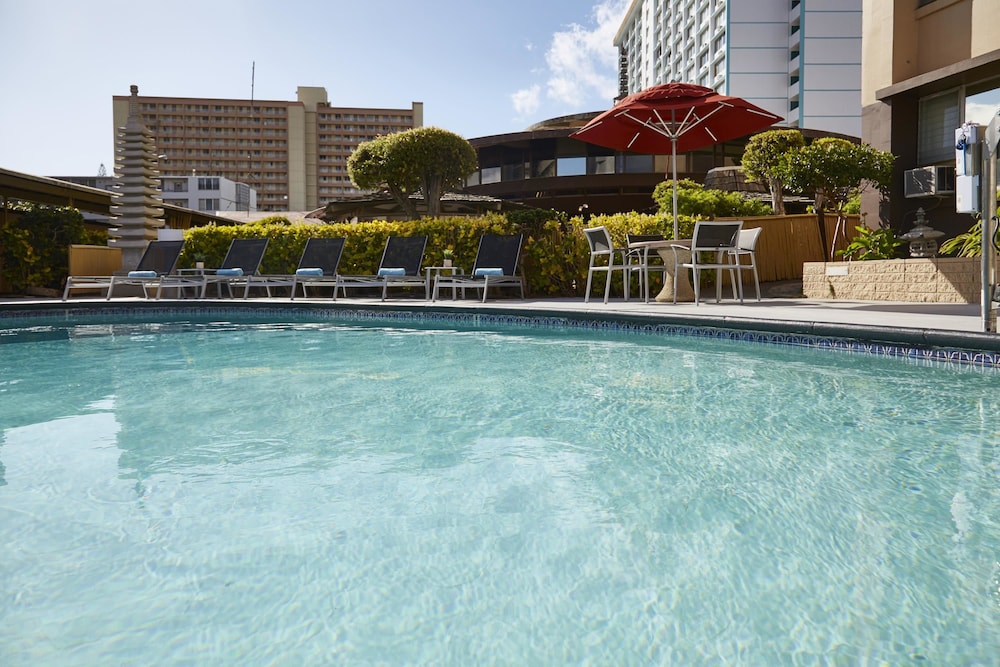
(15, 185)
(42, 190)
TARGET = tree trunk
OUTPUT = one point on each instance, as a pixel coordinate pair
(403, 199)
(432, 196)
(819, 205)
(777, 196)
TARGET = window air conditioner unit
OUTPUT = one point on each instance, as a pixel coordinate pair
(928, 181)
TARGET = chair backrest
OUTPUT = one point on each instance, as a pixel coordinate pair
(715, 235)
(245, 254)
(498, 252)
(599, 240)
(323, 253)
(748, 239)
(404, 252)
(160, 256)
(639, 238)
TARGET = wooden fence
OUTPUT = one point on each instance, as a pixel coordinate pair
(94, 260)
(786, 242)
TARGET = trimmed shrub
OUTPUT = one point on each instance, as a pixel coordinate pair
(34, 245)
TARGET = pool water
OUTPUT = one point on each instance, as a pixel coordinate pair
(324, 493)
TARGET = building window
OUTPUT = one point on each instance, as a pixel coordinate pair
(208, 205)
(635, 164)
(602, 164)
(571, 166)
(543, 169)
(491, 175)
(208, 184)
(936, 123)
(982, 100)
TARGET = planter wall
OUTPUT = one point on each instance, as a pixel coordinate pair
(928, 280)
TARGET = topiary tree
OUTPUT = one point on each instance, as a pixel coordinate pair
(426, 159)
(697, 201)
(761, 159)
(833, 170)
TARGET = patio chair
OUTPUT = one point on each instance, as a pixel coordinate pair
(604, 256)
(400, 267)
(157, 261)
(317, 266)
(242, 261)
(746, 246)
(714, 240)
(495, 266)
(639, 261)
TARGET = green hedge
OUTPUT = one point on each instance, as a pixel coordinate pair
(554, 258)
(34, 245)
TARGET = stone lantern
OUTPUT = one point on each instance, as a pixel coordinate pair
(922, 238)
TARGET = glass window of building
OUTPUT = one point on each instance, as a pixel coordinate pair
(982, 100)
(601, 164)
(543, 169)
(635, 164)
(491, 175)
(937, 119)
(513, 172)
(571, 166)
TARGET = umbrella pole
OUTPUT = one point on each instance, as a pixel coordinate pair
(673, 163)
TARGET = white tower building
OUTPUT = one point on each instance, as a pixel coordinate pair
(800, 59)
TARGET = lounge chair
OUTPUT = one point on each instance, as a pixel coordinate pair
(400, 267)
(495, 266)
(241, 262)
(157, 261)
(317, 266)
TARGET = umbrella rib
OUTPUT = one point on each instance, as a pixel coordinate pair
(648, 125)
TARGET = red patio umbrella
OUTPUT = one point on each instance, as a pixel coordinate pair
(674, 116)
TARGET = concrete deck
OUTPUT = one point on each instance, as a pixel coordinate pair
(931, 324)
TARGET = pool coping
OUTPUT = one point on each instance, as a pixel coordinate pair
(965, 347)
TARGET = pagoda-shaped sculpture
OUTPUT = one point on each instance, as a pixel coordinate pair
(137, 210)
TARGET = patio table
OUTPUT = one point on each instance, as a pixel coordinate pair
(685, 292)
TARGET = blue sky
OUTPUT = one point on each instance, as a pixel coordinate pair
(480, 67)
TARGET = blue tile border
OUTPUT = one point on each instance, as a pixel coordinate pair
(915, 345)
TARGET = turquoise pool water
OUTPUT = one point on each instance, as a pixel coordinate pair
(323, 493)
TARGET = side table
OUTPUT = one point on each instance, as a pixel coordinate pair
(434, 271)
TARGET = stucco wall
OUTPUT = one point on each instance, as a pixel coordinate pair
(932, 280)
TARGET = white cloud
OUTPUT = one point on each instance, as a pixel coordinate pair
(581, 64)
(527, 100)
(980, 113)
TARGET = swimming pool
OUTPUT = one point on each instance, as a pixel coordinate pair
(323, 492)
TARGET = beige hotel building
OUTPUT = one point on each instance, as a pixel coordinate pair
(293, 153)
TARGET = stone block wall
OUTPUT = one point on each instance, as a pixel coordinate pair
(928, 280)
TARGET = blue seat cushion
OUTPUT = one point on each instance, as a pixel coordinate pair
(488, 272)
(308, 272)
(392, 272)
(229, 272)
(142, 274)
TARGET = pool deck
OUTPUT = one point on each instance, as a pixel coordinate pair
(924, 324)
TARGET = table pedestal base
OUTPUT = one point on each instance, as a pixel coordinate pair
(684, 290)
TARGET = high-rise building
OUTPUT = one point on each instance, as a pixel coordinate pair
(294, 154)
(800, 59)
